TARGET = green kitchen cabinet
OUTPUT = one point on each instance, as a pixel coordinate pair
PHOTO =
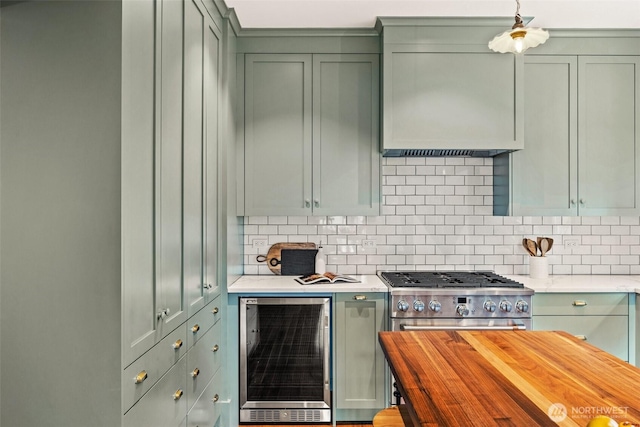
(311, 134)
(582, 141)
(200, 133)
(601, 319)
(153, 203)
(360, 378)
(113, 135)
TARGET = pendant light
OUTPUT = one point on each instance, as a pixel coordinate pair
(520, 38)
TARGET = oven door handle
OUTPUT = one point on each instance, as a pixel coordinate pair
(516, 327)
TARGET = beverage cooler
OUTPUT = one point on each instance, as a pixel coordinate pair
(285, 359)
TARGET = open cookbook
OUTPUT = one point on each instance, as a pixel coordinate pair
(325, 278)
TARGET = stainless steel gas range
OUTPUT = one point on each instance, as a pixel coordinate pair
(424, 300)
(456, 300)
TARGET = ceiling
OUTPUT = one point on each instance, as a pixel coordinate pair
(363, 13)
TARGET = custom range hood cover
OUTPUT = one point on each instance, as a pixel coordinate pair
(445, 93)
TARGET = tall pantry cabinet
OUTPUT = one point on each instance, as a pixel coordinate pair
(110, 296)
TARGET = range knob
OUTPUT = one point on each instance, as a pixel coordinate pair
(435, 306)
(418, 306)
(505, 306)
(522, 306)
(402, 305)
(489, 306)
(462, 310)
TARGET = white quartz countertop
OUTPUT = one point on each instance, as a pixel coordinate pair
(287, 284)
(372, 283)
(581, 283)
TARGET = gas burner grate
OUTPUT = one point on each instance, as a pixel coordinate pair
(448, 279)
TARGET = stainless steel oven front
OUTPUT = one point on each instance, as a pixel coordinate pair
(285, 359)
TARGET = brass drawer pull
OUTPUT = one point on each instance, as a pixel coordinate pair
(579, 303)
(195, 373)
(178, 394)
(581, 337)
(176, 345)
(195, 328)
(215, 398)
(215, 348)
(360, 297)
(215, 310)
(140, 377)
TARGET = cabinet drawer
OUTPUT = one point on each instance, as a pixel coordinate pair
(205, 411)
(581, 304)
(165, 404)
(610, 333)
(202, 321)
(141, 375)
(203, 361)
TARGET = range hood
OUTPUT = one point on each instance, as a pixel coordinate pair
(445, 93)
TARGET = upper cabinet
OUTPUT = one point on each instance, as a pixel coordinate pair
(445, 90)
(581, 155)
(311, 134)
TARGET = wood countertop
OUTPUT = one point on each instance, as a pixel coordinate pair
(509, 378)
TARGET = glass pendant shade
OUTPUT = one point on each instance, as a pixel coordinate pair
(519, 38)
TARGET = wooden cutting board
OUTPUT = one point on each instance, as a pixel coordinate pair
(274, 255)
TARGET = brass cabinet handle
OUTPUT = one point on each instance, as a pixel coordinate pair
(215, 310)
(215, 398)
(579, 303)
(215, 348)
(360, 297)
(581, 337)
(176, 345)
(195, 373)
(195, 328)
(178, 394)
(140, 377)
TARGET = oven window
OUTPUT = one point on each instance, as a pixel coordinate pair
(285, 353)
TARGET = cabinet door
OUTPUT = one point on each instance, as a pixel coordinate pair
(610, 333)
(193, 155)
(200, 155)
(211, 82)
(277, 134)
(168, 174)
(360, 373)
(346, 156)
(151, 171)
(544, 173)
(609, 113)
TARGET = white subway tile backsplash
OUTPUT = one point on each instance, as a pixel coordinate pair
(437, 213)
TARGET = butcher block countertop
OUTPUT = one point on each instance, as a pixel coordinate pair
(508, 378)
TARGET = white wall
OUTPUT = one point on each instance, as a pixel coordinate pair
(437, 214)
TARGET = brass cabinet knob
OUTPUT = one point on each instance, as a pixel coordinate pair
(215, 348)
(579, 303)
(360, 297)
(140, 377)
(176, 345)
(195, 328)
(178, 394)
(215, 310)
(195, 373)
(215, 398)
